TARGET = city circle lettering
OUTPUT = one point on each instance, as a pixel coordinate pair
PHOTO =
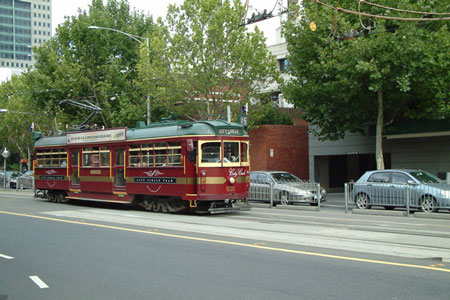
(167, 180)
(229, 131)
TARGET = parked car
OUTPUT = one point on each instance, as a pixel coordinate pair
(286, 188)
(11, 179)
(26, 180)
(391, 188)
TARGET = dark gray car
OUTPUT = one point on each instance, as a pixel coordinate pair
(393, 188)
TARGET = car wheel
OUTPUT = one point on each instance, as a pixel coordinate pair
(284, 198)
(428, 204)
(362, 201)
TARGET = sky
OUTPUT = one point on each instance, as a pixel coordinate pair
(158, 8)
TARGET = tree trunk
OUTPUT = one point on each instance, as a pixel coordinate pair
(379, 133)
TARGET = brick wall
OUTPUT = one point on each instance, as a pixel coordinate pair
(289, 144)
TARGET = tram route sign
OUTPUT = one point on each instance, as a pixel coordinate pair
(98, 136)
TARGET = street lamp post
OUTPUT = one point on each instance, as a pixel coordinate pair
(139, 40)
(5, 155)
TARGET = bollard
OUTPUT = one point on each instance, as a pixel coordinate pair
(318, 194)
(408, 196)
(271, 195)
(346, 196)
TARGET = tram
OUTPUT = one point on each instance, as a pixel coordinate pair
(172, 166)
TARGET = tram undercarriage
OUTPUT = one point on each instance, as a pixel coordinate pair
(159, 204)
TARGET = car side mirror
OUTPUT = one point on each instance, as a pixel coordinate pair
(412, 182)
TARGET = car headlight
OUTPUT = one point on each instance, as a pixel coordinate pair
(445, 194)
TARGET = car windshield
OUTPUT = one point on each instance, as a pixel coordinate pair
(425, 177)
(12, 174)
(284, 177)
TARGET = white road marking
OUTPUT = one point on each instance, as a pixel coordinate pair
(39, 282)
(6, 256)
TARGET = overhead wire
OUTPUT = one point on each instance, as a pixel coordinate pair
(383, 17)
(404, 10)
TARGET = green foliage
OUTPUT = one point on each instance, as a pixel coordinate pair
(336, 80)
(97, 65)
(202, 53)
(267, 114)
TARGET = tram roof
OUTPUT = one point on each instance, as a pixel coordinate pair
(161, 130)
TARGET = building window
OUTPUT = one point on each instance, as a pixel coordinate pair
(283, 65)
(275, 98)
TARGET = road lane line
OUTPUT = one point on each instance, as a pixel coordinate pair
(39, 282)
(348, 258)
(6, 256)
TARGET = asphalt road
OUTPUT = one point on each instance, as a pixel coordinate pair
(99, 251)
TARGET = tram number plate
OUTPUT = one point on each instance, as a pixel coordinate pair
(231, 188)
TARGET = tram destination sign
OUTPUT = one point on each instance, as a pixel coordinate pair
(229, 131)
(100, 136)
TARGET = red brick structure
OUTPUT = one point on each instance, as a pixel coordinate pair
(281, 148)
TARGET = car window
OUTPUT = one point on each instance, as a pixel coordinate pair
(284, 177)
(425, 177)
(382, 177)
(253, 177)
(263, 178)
(399, 178)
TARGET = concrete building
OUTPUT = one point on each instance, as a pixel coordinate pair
(23, 24)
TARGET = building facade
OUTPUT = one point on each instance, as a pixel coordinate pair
(23, 24)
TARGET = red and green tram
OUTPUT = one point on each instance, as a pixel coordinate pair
(168, 167)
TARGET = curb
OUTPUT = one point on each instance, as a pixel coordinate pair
(442, 216)
(285, 207)
(297, 207)
(380, 212)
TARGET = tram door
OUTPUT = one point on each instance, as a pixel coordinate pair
(119, 171)
(75, 168)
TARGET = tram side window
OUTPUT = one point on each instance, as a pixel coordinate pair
(96, 157)
(160, 154)
(231, 152)
(174, 154)
(155, 155)
(211, 152)
(51, 158)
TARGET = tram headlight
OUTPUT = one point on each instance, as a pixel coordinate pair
(232, 180)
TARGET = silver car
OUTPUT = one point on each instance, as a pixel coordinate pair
(399, 188)
(26, 180)
(283, 188)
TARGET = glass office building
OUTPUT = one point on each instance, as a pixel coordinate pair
(23, 24)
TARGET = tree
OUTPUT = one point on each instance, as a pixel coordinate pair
(347, 77)
(16, 121)
(96, 65)
(267, 114)
(203, 57)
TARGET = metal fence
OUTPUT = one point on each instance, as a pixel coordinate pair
(287, 192)
(425, 197)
